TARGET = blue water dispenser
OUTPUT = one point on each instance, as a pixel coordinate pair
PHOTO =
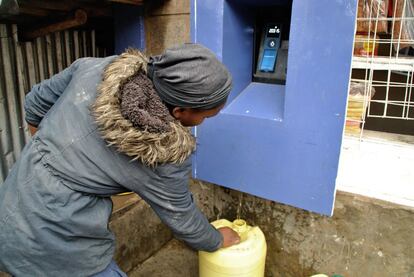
(279, 135)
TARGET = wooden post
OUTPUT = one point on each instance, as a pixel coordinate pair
(31, 58)
(67, 52)
(22, 79)
(41, 58)
(76, 44)
(9, 62)
(49, 52)
(79, 19)
(59, 52)
(93, 43)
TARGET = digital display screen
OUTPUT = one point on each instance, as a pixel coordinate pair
(268, 60)
(273, 32)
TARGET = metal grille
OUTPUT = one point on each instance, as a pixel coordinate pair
(384, 62)
(23, 64)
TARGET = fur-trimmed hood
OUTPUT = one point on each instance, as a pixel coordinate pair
(151, 148)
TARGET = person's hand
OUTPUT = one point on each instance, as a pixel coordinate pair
(32, 129)
(230, 237)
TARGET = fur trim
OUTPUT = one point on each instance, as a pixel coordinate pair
(174, 146)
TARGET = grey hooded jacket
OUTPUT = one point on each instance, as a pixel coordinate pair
(55, 205)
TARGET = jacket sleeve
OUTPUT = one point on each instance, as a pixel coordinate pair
(170, 198)
(43, 95)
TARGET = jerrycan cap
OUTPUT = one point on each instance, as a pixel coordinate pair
(251, 237)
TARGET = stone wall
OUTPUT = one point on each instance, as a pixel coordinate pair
(167, 23)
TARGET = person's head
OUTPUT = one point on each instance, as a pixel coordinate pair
(191, 81)
(190, 117)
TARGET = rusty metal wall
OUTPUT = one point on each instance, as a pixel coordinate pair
(23, 64)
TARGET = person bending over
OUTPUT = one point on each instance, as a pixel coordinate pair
(104, 126)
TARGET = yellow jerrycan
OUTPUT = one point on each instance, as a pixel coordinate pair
(246, 259)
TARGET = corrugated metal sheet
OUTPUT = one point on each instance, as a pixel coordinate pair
(24, 64)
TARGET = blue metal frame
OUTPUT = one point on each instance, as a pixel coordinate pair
(278, 142)
(129, 27)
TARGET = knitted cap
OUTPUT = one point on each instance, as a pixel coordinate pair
(191, 76)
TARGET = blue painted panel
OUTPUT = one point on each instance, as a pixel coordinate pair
(286, 148)
(237, 41)
(272, 163)
(208, 23)
(129, 28)
(259, 100)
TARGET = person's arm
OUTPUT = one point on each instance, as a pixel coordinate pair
(172, 201)
(43, 95)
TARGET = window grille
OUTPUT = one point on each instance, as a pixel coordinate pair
(383, 65)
